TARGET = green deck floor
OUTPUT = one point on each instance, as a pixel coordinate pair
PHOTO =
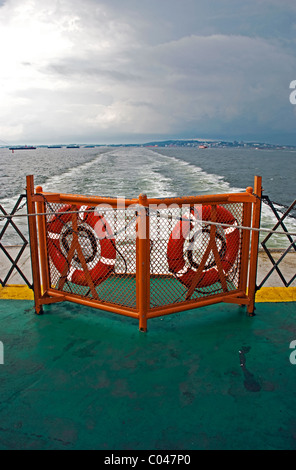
(80, 378)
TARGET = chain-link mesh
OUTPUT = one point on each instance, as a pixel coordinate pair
(104, 267)
(93, 253)
(191, 259)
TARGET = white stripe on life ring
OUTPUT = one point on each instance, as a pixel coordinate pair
(182, 271)
(230, 229)
(108, 261)
(81, 211)
(54, 236)
(71, 271)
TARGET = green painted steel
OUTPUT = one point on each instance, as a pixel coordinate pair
(210, 378)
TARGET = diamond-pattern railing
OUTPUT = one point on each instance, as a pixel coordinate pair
(292, 242)
(11, 230)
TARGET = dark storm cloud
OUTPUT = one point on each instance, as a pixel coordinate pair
(132, 68)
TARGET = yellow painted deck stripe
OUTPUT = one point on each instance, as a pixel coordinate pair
(276, 294)
(265, 294)
(17, 292)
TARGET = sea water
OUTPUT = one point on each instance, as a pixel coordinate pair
(157, 172)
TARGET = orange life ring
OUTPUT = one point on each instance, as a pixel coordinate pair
(184, 269)
(94, 226)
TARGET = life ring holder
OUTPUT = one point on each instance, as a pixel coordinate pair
(100, 261)
(185, 269)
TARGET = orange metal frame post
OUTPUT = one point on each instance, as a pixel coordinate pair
(143, 263)
(41, 223)
(254, 244)
(33, 243)
(245, 250)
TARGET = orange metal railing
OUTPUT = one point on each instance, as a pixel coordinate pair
(144, 257)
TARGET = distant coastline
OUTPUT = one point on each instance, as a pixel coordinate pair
(201, 144)
(217, 144)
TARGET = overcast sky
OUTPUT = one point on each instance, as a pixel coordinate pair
(135, 70)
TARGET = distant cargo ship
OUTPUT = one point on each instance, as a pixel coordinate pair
(25, 147)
